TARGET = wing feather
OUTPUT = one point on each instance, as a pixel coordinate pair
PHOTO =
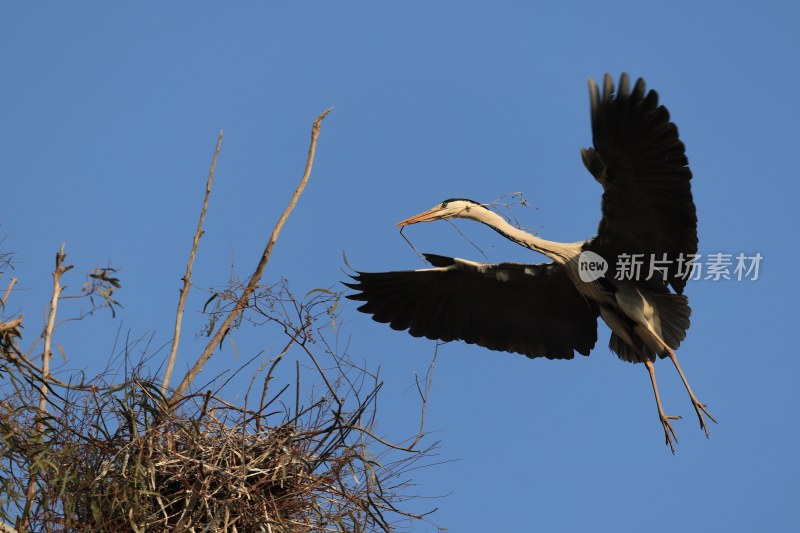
(534, 310)
(641, 163)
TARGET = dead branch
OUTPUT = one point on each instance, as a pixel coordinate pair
(11, 324)
(222, 330)
(8, 291)
(424, 397)
(48, 330)
(187, 277)
(48, 338)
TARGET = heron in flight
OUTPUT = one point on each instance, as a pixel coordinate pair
(550, 309)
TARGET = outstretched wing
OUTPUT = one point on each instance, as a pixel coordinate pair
(640, 161)
(534, 310)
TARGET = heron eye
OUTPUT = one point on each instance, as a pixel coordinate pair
(444, 204)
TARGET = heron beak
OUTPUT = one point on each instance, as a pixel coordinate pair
(428, 216)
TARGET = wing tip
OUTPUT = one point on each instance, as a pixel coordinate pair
(622, 90)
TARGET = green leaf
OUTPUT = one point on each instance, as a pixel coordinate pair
(213, 296)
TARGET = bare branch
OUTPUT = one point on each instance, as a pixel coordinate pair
(51, 320)
(48, 338)
(259, 271)
(8, 291)
(11, 324)
(30, 369)
(188, 276)
(424, 396)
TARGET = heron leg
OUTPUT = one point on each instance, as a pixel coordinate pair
(665, 419)
(699, 407)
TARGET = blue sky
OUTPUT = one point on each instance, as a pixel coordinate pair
(110, 112)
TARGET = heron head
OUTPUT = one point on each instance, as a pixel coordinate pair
(452, 208)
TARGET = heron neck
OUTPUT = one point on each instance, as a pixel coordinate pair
(559, 252)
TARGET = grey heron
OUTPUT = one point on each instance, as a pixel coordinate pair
(550, 309)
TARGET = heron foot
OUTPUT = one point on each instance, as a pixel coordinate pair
(700, 408)
(669, 432)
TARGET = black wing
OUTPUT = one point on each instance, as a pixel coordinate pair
(534, 310)
(640, 161)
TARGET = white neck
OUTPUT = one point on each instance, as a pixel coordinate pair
(559, 252)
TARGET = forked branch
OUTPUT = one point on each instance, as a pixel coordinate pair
(252, 284)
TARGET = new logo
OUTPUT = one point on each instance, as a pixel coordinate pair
(591, 266)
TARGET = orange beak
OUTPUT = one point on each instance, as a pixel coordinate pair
(428, 216)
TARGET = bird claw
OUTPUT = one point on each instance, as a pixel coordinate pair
(700, 408)
(669, 430)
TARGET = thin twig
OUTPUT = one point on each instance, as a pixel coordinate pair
(188, 276)
(424, 396)
(420, 254)
(297, 388)
(48, 338)
(467, 239)
(28, 367)
(256, 277)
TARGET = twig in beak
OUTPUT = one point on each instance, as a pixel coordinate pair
(411, 245)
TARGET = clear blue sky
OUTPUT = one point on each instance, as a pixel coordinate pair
(109, 114)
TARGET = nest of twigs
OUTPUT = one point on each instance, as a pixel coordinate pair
(111, 456)
(215, 471)
(125, 463)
